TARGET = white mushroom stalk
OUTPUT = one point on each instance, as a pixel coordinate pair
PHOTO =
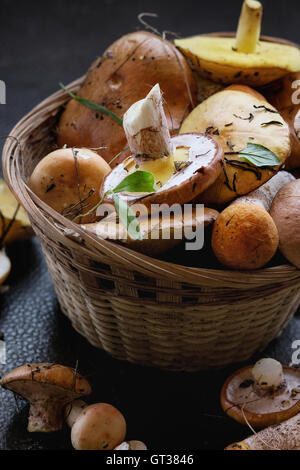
(248, 32)
(268, 374)
(146, 128)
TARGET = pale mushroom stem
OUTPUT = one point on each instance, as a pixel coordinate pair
(45, 415)
(146, 128)
(249, 27)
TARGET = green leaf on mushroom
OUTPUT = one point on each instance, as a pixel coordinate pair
(259, 156)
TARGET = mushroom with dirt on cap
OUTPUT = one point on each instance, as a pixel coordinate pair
(262, 395)
(48, 388)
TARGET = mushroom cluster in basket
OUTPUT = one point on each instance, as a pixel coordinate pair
(207, 123)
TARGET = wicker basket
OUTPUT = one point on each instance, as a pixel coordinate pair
(140, 309)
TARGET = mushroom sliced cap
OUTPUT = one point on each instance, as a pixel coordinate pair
(21, 228)
(159, 233)
(241, 398)
(5, 266)
(235, 117)
(194, 165)
(48, 387)
(217, 59)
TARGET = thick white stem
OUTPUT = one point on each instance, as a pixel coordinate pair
(248, 32)
(146, 128)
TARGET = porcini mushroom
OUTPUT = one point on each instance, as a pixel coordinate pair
(120, 78)
(5, 266)
(242, 59)
(254, 137)
(69, 179)
(98, 427)
(47, 387)
(244, 234)
(284, 436)
(14, 223)
(182, 166)
(263, 395)
(285, 212)
(159, 233)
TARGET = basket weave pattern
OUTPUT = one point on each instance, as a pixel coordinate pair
(140, 309)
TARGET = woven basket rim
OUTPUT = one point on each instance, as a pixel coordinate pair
(118, 254)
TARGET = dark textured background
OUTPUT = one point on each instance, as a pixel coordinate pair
(42, 43)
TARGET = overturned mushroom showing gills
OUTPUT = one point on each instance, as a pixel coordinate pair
(98, 427)
(284, 436)
(243, 59)
(237, 117)
(47, 387)
(159, 233)
(263, 395)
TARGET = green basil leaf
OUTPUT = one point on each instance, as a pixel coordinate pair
(127, 218)
(92, 105)
(137, 182)
(258, 155)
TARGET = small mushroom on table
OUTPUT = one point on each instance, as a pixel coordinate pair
(242, 59)
(95, 427)
(48, 388)
(263, 395)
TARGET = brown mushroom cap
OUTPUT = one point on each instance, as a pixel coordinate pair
(240, 398)
(202, 168)
(285, 212)
(118, 79)
(48, 387)
(98, 427)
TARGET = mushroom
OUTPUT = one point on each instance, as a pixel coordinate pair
(283, 94)
(182, 166)
(120, 78)
(285, 212)
(263, 395)
(159, 233)
(48, 388)
(5, 266)
(284, 436)
(131, 445)
(242, 59)
(240, 118)
(244, 234)
(69, 179)
(97, 427)
(14, 223)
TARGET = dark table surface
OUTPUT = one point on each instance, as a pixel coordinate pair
(42, 43)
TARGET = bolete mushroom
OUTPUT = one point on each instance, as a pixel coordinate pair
(48, 388)
(285, 212)
(159, 232)
(14, 223)
(69, 180)
(182, 166)
(263, 395)
(254, 136)
(98, 427)
(284, 436)
(5, 266)
(242, 59)
(120, 78)
(244, 235)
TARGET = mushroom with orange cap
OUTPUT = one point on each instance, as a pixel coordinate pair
(48, 388)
